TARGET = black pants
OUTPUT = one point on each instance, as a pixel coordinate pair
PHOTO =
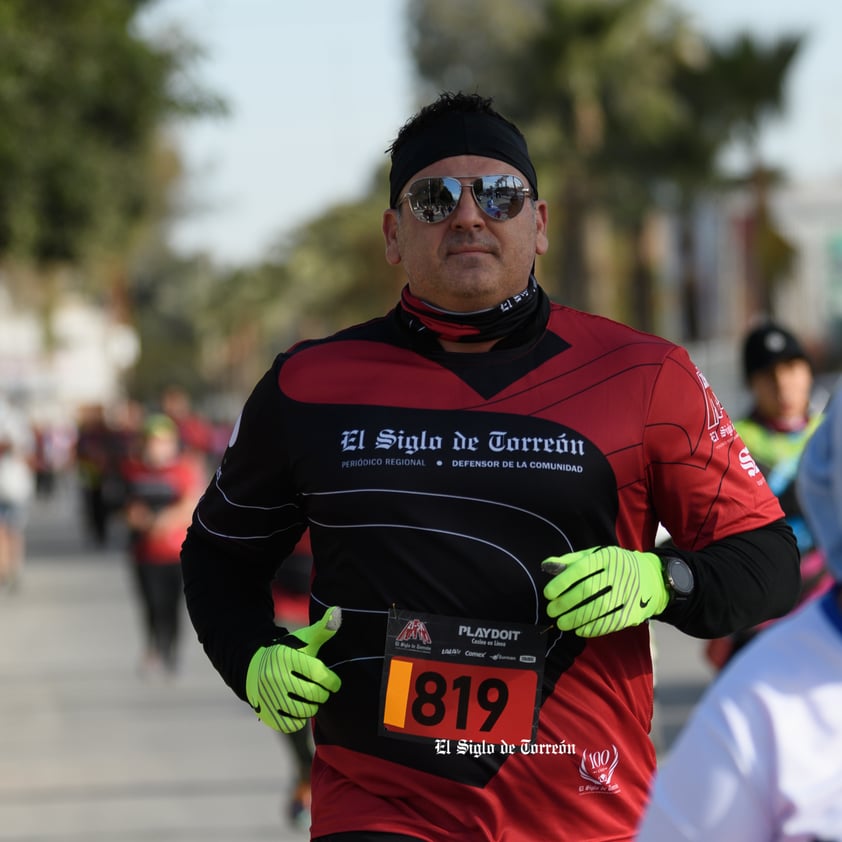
(160, 589)
(95, 514)
(300, 743)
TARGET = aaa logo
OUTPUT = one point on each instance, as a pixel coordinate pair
(415, 630)
(715, 412)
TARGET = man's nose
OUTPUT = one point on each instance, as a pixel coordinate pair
(467, 213)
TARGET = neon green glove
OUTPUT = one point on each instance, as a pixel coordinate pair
(604, 589)
(286, 682)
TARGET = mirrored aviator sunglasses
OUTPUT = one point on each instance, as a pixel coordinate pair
(499, 197)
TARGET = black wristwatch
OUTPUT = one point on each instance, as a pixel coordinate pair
(678, 577)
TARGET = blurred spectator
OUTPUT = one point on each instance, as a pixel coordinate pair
(761, 757)
(45, 463)
(782, 418)
(17, 485)
(195, 431)
(98, 453)
(162, 485)
(54, 447)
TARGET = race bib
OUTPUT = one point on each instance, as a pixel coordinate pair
(448, 678)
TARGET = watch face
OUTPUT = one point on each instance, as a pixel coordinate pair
(681, 577)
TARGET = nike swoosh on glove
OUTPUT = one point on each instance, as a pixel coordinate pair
(604, 589)
(286, 683)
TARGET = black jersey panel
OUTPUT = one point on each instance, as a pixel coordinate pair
(447, 512)
(447, 497)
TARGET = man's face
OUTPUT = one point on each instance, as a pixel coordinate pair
(469, 261)
(782, 391)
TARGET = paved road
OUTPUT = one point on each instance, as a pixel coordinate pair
(92, 752)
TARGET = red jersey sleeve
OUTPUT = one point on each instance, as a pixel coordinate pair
(704, 482)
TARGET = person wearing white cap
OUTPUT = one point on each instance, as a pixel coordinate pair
(761, 757)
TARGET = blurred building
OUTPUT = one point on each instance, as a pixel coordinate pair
(709, 304)
(811, 214)
(84, 363)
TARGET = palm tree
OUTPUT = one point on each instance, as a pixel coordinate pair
(754, 76)
(725, 99)
(563, 70)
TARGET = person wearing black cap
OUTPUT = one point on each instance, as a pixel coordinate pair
(779, 375)
(482, 472)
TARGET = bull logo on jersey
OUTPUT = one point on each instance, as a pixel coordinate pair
(597, 768)
(414, 630)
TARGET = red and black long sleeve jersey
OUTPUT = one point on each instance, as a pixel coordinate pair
(438, 482)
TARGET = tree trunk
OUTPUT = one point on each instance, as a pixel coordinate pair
(574, 270)
(689, 282)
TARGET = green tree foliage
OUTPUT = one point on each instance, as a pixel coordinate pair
(623, 104)
(619, 99)
(748, 78)
(337, 280)
(167, 295)
(471, 44)
(83, 99)
(328, 273)
(752, 77)
(725, 96)
(565, 72)
(86, 172)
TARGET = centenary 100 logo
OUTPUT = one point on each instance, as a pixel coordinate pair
(597, 768)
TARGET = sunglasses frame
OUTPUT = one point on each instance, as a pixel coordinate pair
(521, 189)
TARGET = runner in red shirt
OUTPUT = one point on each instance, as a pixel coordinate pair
(162, 487)
(482, 473)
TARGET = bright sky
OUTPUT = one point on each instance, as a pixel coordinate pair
(318, 88)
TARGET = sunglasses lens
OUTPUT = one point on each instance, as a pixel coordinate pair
(500, 196)
(434, 199)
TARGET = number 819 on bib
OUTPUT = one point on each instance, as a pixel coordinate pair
(458, 701)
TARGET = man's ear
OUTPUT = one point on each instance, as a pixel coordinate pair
(390, 234)
(542, 242)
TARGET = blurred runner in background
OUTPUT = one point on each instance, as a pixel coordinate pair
(98, 469)
(196, 433)
(782, 418)
(162, 487)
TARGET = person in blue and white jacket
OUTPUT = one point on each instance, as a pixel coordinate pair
(761, 757)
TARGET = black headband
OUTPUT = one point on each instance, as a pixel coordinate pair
(473, 133)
